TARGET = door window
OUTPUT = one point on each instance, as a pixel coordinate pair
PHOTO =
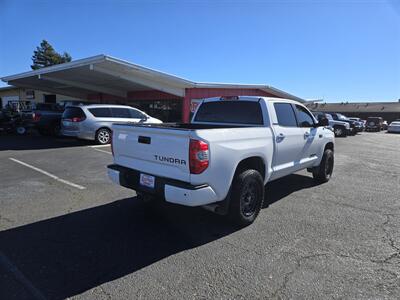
(100, 112)
(285, 114)
(135, 114)
(304, 118)
(119, 112)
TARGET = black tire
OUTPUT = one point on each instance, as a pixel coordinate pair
(339, 131)
(20, 130)
(103, 136)
(323, 172)
(247, 197)
(55, 129)
(44, 132)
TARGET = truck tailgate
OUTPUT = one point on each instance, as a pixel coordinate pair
(146, 149)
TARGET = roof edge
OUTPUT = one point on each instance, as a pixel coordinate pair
(59, 67)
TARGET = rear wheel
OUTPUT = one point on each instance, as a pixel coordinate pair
(103, 136)
(55, 129)
(247, 197)
(324, 171)
(21, 130)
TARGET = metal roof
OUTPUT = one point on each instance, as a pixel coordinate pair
(392, 107)
(113, 76)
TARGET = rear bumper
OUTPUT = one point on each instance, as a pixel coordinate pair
(173, 191)
(394, 129)
(78, 134)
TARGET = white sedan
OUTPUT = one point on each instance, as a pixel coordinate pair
(394, 127)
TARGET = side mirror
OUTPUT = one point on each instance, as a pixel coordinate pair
(322, 122)
(144, 119)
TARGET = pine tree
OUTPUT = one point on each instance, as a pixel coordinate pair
(45, 56)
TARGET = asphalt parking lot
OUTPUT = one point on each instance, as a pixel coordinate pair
(67, 232)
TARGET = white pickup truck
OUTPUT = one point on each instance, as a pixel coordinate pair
(223, 159)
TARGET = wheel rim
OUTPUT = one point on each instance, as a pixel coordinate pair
(338, 131)
(248, 199)
(103, 136)
(329, 167)
(21, 130)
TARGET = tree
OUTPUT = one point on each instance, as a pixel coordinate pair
(45, 56)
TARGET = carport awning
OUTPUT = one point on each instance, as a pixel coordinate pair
(98, 74)
(108, 75)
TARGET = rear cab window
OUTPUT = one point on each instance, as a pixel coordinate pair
(230, 112)
(73, 112)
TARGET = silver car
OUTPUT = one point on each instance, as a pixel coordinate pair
(93, 122)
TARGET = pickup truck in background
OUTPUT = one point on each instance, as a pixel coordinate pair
(223, 159)
(46, 117)
(340, 128)
(339, 117)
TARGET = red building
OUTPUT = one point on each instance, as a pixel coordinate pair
(104, 79)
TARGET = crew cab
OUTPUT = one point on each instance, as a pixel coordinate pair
(223, 159)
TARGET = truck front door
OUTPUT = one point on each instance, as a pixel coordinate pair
(290, 141)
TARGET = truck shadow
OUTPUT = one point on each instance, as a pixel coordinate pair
(37, 142)
(69, 254)
(285, 186)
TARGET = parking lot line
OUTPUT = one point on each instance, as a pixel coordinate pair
(108, 152)
(48, 174)
(99, 146)
(10, 267)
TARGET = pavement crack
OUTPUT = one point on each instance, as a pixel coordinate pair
(390, 239)
(287, 276)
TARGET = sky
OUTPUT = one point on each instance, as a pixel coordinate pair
(333, 50)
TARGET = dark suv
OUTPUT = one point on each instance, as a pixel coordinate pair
(374, 124)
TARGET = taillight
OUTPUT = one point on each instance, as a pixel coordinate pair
(36, 117)
(77, 119)
(198, 156)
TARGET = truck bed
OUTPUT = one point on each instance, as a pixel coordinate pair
(182, 126)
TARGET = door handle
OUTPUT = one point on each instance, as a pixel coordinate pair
(280, 137)
(306, 135)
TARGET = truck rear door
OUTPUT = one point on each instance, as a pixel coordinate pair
(157, 151)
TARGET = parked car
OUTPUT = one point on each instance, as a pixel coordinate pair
(385, 125)
(394, 127)
(223, 159)
(359, 124)
(343, 118)
(340, 128)
(93, 122)
(374, 124)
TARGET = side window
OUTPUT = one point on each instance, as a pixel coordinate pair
(304, 117)
(285, 114)
(135, 114)
(100, 112)
(118, 112)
